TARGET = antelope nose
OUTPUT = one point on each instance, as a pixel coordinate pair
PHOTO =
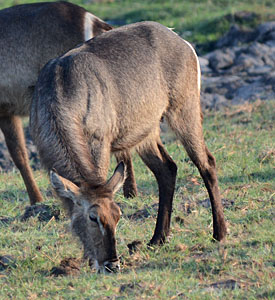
(112, 267)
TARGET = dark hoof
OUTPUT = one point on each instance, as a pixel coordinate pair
(219, 237)
(157, 242)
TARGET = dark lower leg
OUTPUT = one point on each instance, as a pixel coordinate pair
(211, 182)
(14, 136)
(129, 187)
(162, 228)
(165, 170)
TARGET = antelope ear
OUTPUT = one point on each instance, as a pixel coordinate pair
(118, 178)
(63, 187)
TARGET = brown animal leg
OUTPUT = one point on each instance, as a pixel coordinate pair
(129, 187)
(165, 170)
(14, 135)
(209, 176)
(207, 168)
(188, 128)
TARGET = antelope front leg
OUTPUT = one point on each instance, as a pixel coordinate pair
(165, 170)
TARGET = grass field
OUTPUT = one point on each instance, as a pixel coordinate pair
(191, 265)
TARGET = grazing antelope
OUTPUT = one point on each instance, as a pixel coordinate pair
(108, 96)
(31, 35)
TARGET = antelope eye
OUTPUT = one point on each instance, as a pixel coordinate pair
(93, 218)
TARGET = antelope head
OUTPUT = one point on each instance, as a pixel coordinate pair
(94, 217)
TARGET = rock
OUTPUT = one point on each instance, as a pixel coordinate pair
(253, 91)
(262, 52)
(245, 16)
(271, 43)
(221, 59)
(243, 70)
(259, 70)
(231, 83)
(244, 61)
(213, 85)
(236, 36)
(222, 85)
(212, 101)
(265, 32)
(7, 261)
(269, 79)
(204, 65)
(258, 49)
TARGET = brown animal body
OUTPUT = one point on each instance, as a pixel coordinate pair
(31, 35)
(108, 96)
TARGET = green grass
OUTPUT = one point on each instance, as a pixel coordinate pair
(243, 142)
(199, 21)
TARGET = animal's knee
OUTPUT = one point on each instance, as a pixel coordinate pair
(211, 159)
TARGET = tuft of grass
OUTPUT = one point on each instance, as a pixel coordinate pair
(191, 265)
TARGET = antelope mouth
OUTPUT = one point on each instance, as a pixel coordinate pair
(112, 266)
(107, 267)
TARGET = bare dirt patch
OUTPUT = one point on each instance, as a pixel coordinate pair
(68, 266)
(134, 246)
(146, 212)
(44, 212)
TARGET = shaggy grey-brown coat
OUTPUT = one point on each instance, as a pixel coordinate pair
(108, 96)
